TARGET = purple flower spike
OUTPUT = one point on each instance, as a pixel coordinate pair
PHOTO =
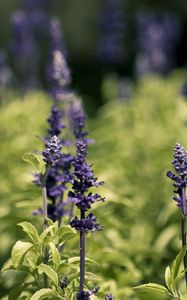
(180, 180)
(180, 160)
(109, 297)
(87, 224)
(77, 120)
(158, 35)
(55, 122)
(52, 152)
(85, 295)
(57, 72)
(23, 41)
(83, 176)
(56, 37)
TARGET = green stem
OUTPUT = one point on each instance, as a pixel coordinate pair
(183, 228)
(82, 255)
(45, 225)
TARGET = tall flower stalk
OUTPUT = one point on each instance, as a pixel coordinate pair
(180, 183)
(83, 180)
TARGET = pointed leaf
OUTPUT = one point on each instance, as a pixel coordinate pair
(76, 259)
(15, 293)
(55, 255)
(153, 291)
(65, 233)
(177, 263)
(35, 160)
(47, 231)
(8, 266)
(44, 294)
(30, 231)
(19, 251)
(50, 273)
(168, 277)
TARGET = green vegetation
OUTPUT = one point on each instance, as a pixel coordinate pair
(132, 153)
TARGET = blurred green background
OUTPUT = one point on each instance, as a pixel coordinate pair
(132, 153)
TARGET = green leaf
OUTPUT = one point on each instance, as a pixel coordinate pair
(47, 231)
(153, 291)
(8, 265)
(65, 233)
(30, 231)
(49, 272)
(44, 294)
(76, 259)
(55, 255)
(168, 277)
(177, 263)
(183, 297)
(35, 160)
(19, 251)
(16, 291)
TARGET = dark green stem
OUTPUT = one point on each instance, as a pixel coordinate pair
(183, 229)
(45, 225)
(82, 254)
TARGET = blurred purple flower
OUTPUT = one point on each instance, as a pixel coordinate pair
(52, 152)
(85, 295)
(57, 72)
(87, 225)
(77, 119)
(109, 297)
(158, 34)
(113, 27)
(180, 180)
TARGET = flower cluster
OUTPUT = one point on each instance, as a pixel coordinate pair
(59, 172)
(85, 295)
(77, 120)
(83, 180)
(22, 36)
(158, 35)
(109, 297)
(52, 152)
(63, 282)
(55, 122)
(30, 5)
(110, 48)
(180, 180)
(86, 225)
(57, 71)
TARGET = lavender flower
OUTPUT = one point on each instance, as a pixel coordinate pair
(109, 297)
(110, 48)
(55, 211)
(158, 34)
(85, 295)
(57, 72)
(22, 36)
(83, 180)
(55, 122)
(77, 120)
(23, 46)
(86, 225)
(180, 183)
(30, 5)
(180, 180)
(52, 152)
(63, 282)
(55, 35)
(59, 172)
